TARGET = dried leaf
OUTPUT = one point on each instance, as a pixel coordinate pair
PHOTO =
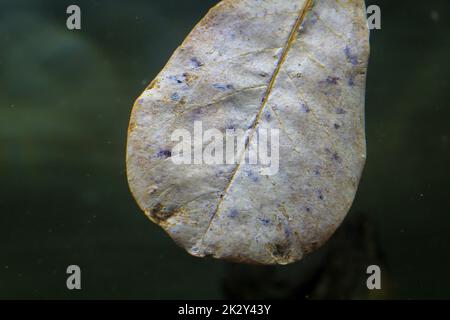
(298, 66)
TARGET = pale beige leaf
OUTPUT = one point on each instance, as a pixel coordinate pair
(295, 65)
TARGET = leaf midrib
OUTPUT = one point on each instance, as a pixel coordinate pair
(291, 39)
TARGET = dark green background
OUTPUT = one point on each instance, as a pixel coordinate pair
(65, 99)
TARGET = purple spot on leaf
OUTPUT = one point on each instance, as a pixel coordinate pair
(233, 213)
(353, 59)
(164, 154)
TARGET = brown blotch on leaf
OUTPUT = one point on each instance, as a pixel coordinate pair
(160, 213)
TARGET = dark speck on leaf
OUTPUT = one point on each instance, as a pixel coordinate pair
(316, 172)
(219, 87)
(336, 126)
(336, 157)
(340, 111)
(333, 80)
(160, 213)
(196, 63)
(308, 209)
(164, 154)
(265, 221)
(320, 194)
(305, 108)
(223, 87)
(281, 250)
(178, 79)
